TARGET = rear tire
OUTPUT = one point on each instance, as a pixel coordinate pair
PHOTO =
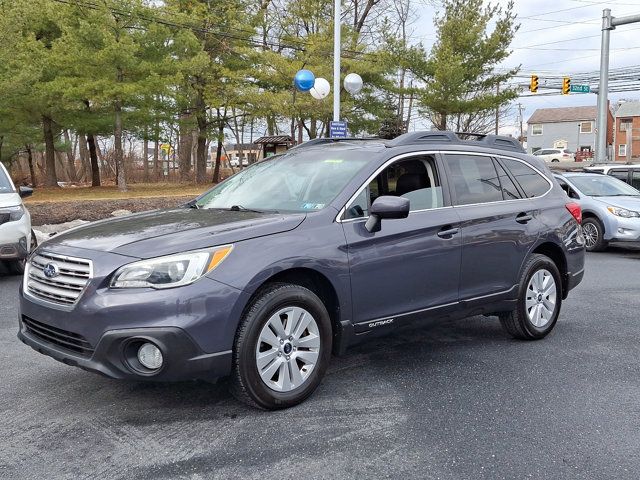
(539, 300)
(593, 232)
(555, 160)
(282, 348)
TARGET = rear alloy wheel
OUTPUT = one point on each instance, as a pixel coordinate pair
(539, 300)
(593, 232)
(282, 348)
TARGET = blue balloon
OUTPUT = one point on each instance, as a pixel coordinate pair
(304, 80)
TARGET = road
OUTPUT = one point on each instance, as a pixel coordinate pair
(455, 400)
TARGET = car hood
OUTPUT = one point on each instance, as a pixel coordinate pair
(9, 200)
(630, 203)
(164, 232)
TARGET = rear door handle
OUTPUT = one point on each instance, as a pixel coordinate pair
(524, 217)
(448, 232)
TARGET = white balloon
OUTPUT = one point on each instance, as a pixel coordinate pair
(321, 89)
(353, 83)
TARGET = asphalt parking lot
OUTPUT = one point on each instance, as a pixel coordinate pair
(451, 401)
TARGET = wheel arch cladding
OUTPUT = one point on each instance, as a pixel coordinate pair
(315, 281)
(555, 253)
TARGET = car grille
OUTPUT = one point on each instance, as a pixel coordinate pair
(57, 336)
(65, 288)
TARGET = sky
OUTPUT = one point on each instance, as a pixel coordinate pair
(557, 37)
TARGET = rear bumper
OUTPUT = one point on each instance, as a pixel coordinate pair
(115, 354)
(574, 279)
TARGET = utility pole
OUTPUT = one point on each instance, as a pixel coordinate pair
(608, 23)
(520, 109)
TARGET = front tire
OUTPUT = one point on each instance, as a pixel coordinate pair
(539, 300)
(18, 266)
(593, 232)
(282, 348)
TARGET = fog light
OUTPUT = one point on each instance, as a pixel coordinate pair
(150, 356)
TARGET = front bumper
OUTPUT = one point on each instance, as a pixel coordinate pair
(193, 325)
(15, 238)
(620, 229)
(114, 356)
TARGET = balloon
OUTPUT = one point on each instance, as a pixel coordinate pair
(304, 80)
(321, 89)
(353, 83)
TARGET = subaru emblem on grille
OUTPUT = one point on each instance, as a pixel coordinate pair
(50, 270)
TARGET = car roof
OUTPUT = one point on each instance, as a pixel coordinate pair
(432, 140)
(578, 174)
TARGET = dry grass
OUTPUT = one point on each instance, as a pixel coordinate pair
(138, 190)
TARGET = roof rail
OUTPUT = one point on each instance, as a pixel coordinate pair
(500, 142)
(322, 141)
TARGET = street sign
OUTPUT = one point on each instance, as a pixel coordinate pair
(338, 129)
(580, 88)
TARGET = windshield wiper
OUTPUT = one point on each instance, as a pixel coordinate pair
(240, 208)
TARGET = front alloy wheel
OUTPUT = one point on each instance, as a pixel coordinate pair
(282, 347)
(593, 233)
(288, 349)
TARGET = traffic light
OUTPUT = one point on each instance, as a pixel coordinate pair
(533, 85)
(566, 85)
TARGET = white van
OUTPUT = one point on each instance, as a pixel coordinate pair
(625, 172)
(16, 237)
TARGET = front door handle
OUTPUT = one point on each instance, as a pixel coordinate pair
(524, 217)
(448, 232)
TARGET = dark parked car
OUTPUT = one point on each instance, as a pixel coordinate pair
(269, 272)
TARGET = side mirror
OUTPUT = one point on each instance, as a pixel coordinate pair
(386, 207)
(25, 192)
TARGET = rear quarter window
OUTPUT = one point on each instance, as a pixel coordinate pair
(533, 184)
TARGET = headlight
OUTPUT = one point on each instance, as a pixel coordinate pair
(170, 271)
(15, 213)
(623, 212)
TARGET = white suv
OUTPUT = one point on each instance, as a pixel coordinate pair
(16, 236)
(555, 155)
(629, 173)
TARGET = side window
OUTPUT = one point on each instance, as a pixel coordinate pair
(571, 193)
(635, 179)
(531, 181)
(509, 189)
(359, 207)
(621, 173)
(415, 178)
(474, 179)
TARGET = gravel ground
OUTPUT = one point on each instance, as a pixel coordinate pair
(43, 213)
(457, 400)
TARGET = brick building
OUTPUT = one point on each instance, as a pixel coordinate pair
(627, 132)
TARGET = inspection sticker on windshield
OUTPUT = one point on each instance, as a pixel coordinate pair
(333, 161)
(312, 206)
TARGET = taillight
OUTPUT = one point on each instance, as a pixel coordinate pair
(575, 211)
(565, 154)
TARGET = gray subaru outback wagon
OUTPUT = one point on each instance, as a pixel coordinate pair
(265, 275)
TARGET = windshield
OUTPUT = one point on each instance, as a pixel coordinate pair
(5, 183)
(299, 181)
(603, 186)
